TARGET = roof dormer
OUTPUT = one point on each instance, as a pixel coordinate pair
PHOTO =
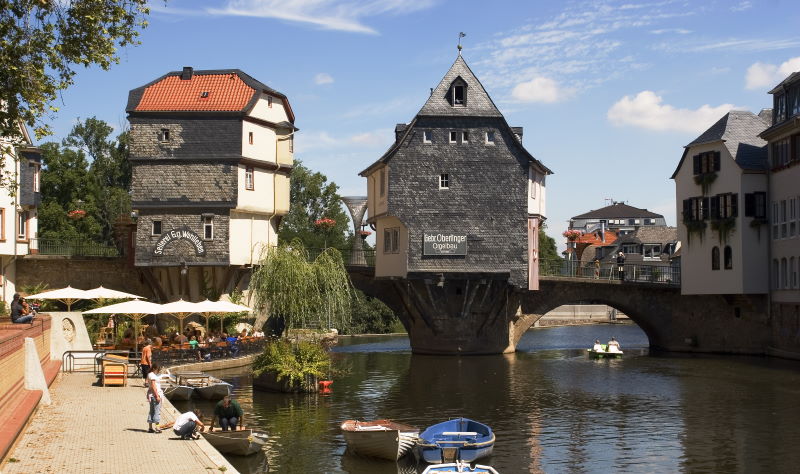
(457, 94)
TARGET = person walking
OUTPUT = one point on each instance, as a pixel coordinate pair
(621, 265)
(596, 269)
(229, 412)
(154, 397)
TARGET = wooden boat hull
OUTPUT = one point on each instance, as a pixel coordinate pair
(178, 392)
(457, 440)
(239, 443)
(458, 467)
(382, 439)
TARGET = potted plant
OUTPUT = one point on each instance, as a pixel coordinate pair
(572, 235)
(292, 367)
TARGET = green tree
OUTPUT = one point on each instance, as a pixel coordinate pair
(547, 246)
(43, 41)
(313, 198)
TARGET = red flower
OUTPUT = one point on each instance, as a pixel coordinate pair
(365, 233)
(76, 214)
(572, 234)
(325, 223)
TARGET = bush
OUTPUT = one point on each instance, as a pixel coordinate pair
(294, 362)
(370, 316)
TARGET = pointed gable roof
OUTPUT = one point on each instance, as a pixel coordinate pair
(617, 210)
(478, 103)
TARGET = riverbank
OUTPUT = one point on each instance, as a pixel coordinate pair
(96, 429)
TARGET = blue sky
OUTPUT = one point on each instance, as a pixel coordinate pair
(608, 91)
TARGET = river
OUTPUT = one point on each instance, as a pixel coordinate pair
(552, 408)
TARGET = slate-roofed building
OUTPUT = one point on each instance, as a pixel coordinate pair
(619, 217)
(457, 191)
(211, 152)
(721, 194)
(18, 209)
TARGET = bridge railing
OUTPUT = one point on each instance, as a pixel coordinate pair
(366, 257)
(73, 248)
(629, 272)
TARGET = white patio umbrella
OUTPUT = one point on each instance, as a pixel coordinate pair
(136, 309)
(68, 296)
(180, 309)
(208, 307)
(107, 293)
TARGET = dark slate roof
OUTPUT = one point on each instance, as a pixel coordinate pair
(739, 130)
(652, 235)
(618, 210)
(793, 77)
(478, 103)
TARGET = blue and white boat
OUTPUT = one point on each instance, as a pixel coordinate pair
(458, 467)
(457, 440)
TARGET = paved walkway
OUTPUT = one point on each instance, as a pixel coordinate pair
(104, 430)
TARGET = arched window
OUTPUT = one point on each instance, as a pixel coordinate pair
(715, 258)
(457, 95)
(793, 271)
(728, 258)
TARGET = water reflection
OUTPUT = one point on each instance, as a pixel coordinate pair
(552, 408)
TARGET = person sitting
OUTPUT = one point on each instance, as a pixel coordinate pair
(613, 345)
(229, 413)
(597, 346)
(18, 314)
(233, 345)
(186, 425)
(194, 347)
(258, 333)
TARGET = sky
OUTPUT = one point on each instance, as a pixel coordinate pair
(608, 92)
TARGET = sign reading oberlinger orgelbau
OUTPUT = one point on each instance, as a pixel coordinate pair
(444, 244)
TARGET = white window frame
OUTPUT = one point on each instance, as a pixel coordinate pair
(153, 227)
(453, 136)
(163, 135)
(22, 225)
(208, 227)
(249, 178)
(444, 181)
(465, 137)
(427, 136)
(490, 138)
(391, 240)
(463, 102)
(37, 178)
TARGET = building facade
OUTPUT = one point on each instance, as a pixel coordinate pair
(211, 153)
(721, 195)
(22, 162)
(457, 191)
(783, 136)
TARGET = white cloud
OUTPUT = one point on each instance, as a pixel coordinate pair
(330, 140)
(742, 6)
(761, 75)
(751, 45)
(680, 31)
(647, 110)
(323, 78)
(540, 89)
(327, 14)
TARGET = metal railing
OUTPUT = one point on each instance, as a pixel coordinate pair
(73, 248)
(349, 257)
(629, 272)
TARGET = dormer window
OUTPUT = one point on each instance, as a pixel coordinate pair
(457, 96)
(204, 95)
(163, 135)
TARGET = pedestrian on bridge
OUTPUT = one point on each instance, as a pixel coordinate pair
(621, 265)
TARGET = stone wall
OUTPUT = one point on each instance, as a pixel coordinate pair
(486, 199)
(188, 138)
(84, 273)
(179, 251)
(178, 182)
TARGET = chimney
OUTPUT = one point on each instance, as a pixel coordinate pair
(187, 73)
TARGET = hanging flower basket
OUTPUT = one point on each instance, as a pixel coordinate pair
(364, 233)
(572, 235)
(76, 214)
(325, 223)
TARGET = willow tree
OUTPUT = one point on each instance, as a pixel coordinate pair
(301, 291)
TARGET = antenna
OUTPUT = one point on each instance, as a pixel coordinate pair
(608, 201)
(461, 34)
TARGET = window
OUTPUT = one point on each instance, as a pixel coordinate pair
(2, 224)
(715, 258)
(249, 182)
(291, 144)
(792, 217)
(382, 185)
(776, 274)
(22, 225)
(696, 208)
(784, 275)
(649, 222)
(427, 136)
(464, 137)
(780, 108)
(155, 228)
(459, 95)
(780, 153)
(391, 240)
(208, 227)
(775, 221)
(783, 219)
(453, 137)
(163, 135)
(728, 205)
(630, 248)
(36, 177)
(651, 251)
(204, 95)
(250, 137)
(444, 181)
(707, 162)
(728, 258)
(490, 138)
(793, 271)
(269, 101)
(755, 205)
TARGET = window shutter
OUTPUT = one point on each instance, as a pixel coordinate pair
(704, 215)
(715, 207)
(696, 160)
(749, 205)
(687, 209)
(734, 205)
(716, 161)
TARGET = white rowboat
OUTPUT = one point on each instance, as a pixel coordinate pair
(383, 439)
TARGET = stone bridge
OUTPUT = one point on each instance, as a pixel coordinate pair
(482, 314)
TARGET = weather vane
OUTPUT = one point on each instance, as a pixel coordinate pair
(460, 35)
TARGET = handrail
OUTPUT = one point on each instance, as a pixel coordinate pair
(73, 248)
(665, 274)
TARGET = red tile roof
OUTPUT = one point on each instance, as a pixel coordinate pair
(226, 92)
(592, 238)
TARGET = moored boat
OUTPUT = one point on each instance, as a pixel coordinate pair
(383, 439)
(458, 467)
(240, 443)
(177, 392)
(604, 353)
(456, 440)
(204, 385)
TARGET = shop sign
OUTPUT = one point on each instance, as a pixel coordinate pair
(444, 244)
(180, 234)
